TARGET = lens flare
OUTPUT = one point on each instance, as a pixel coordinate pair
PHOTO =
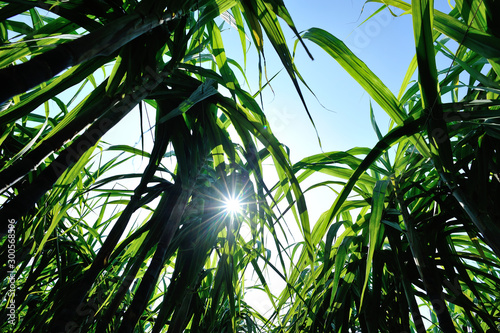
(233, 205)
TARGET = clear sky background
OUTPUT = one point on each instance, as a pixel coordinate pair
(385, 43)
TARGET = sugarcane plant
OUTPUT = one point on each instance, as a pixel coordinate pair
(71, 71)
(411, 241)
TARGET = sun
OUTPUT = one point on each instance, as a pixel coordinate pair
(232, 205)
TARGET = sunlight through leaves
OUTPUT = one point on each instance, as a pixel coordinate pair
(232, 205)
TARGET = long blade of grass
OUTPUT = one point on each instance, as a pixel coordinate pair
(378, 203)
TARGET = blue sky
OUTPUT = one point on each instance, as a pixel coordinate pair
(345, 122)
(385, 43)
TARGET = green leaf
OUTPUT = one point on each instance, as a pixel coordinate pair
(60, 209)
(358, 71)
(378, 204)
(422, 13)
(204, 91)
(220, 57)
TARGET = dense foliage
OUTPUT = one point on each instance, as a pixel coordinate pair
(410, 244)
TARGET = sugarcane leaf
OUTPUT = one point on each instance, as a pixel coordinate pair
(378, 204)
